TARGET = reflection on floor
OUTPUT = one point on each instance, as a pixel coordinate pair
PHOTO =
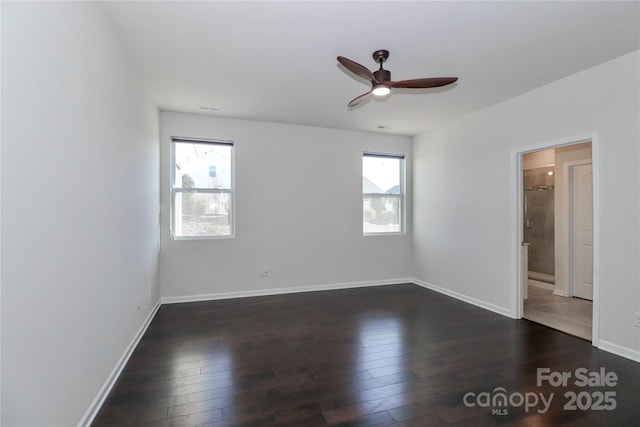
(570, 315)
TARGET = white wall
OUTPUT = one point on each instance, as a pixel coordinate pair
(298, 210)
(463, 212)
(79, 209)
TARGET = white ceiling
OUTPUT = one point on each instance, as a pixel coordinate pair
(276, 61)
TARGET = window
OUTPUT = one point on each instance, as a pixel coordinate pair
(201, 189)
(382, 193)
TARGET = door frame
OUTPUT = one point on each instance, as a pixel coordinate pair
(517, 208)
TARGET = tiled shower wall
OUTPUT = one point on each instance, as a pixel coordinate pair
(539, 193)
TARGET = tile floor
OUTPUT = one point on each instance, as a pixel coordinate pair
(570, 315)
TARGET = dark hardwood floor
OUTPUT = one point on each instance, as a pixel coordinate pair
(391, 355)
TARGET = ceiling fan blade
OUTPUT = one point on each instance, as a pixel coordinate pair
(423, 83)
(359, 100)
(357, 69)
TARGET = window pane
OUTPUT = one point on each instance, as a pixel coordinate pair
(382, 194)
(381, 214)
(381, 174)
(202, 165)
(202, 214)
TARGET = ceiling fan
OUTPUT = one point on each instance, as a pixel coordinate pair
(381, 82)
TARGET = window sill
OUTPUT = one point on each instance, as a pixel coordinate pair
(178, 238)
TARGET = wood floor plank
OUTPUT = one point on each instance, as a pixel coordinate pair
(390, 355)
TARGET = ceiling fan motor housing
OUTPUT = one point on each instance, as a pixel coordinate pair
(382, 75)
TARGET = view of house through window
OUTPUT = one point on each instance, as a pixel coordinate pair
(202, 196)
(382, 193)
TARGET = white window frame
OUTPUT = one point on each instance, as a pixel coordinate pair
(401, 197)
(175, 189)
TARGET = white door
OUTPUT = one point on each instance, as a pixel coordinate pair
(582, 231)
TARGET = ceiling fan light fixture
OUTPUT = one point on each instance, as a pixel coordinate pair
(381, 90)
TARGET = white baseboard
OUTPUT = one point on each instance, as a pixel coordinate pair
(279, 291)
(479, 303)
(97, 403)
(619, 350)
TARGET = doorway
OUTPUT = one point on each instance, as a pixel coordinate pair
(557, 235)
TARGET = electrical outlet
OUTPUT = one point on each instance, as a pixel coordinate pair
(138, 301)
(637, 319)
(266, 271)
